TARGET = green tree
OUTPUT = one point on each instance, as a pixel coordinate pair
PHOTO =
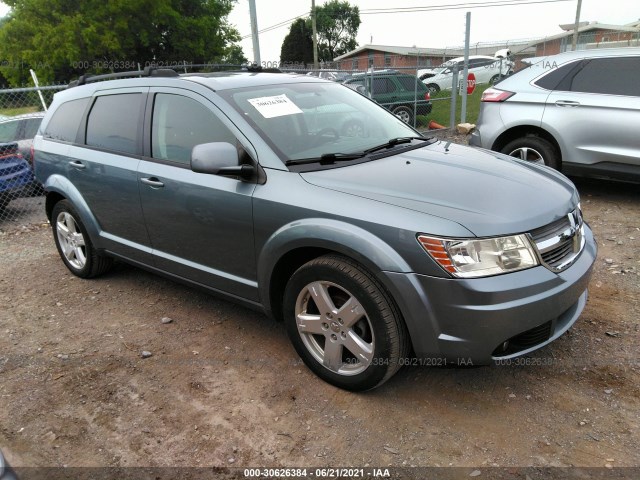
(297, 46)
(337, 25)
(60, 39)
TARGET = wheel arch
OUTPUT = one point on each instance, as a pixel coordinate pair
(60, 188)
(522, 131)
(294, 245)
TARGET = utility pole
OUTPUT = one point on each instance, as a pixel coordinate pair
(574, 42)
(465, 72)
(315, 34)
(254, 32)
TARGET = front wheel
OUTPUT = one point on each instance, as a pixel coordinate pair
(73, 243)
(343, 323)
(534, 149)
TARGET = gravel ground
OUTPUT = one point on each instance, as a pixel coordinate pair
(220, 386)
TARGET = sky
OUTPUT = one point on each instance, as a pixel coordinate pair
(436, 29)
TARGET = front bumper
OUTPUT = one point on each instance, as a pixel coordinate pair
(475, 140)
(469, 320)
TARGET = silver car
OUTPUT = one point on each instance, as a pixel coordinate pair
(578, 112)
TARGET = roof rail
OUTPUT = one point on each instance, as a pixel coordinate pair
(254, 68)
(147, 72)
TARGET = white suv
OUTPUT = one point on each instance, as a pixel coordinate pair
(486, 70)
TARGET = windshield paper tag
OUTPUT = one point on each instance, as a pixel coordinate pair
(277, 106)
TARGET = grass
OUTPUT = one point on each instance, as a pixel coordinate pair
(18, 111)
(441, 108)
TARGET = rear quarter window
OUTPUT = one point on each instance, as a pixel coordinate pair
(410, 84)
(113, 122)
(65, 122)
(553, 79)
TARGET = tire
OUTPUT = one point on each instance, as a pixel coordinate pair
(353, 315)
(534, 149)
(73, 243)
(433, 88)
(404, 113)
(494, 79)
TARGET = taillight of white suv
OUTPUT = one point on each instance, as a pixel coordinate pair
(495, 95)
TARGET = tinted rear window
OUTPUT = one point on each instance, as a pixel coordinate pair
(612, 76)
(113, 122)
(65, 121)
(410, 84)
(552, 80)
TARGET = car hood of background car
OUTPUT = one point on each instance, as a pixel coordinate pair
(487, 193)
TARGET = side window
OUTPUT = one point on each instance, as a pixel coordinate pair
(551, 81)
(31, 127)
(114, 121)
(65, 122)
(613, 76)
(180, 123)
(410, 84)
(8, 131)
(383, 85)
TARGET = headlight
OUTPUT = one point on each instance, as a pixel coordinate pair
(470, 258)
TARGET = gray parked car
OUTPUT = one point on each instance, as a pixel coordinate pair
(578, 112)
(376, 246)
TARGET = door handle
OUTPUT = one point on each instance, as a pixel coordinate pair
(77, 164)
(152, 182)
(567, 103)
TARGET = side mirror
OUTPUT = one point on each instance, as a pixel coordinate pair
(219, 158)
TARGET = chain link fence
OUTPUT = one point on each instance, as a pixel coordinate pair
(21, 111)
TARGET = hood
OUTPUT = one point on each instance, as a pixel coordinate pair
(485, 192)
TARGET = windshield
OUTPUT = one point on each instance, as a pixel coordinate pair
(308, 120)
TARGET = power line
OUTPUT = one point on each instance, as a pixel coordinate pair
(278, 25)
(450, 6)
(496, 3)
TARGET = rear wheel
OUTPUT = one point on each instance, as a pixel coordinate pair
(404, 113)
(343, 323)
(73, 243)
(433, 88)
(534, 149)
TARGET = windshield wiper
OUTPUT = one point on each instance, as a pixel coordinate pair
(393, 142)
(329, 158)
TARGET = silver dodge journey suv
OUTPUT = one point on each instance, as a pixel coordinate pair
(301, 198)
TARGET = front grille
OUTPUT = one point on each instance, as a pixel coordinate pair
(525, 340)
(560, 242)
(556, 256)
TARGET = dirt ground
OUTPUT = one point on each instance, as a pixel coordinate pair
(224, 388)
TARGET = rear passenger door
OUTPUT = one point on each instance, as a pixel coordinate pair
(201, 225)
(595, 111)
(105, 168)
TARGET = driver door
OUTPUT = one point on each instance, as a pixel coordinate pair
(200, 225)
